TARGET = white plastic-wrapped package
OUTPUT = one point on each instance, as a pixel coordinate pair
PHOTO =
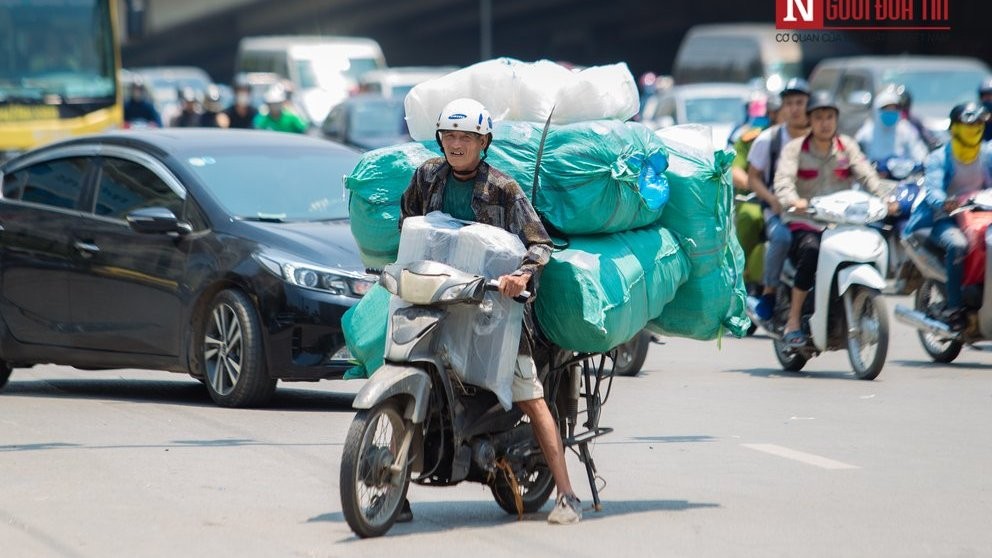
(431, 237)
(481, 342)
(488, 82)
(526, 92)
(595, 93)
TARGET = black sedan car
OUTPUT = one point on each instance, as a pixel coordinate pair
(224, 254)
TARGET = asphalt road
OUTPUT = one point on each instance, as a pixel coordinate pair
(716, 452)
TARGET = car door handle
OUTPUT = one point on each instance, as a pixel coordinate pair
(86, 248)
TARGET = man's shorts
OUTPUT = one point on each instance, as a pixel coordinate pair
(526, 386)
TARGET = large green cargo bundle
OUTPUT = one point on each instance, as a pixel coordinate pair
(596, 177)
(700, 209)
(376, 186)
(601, 290)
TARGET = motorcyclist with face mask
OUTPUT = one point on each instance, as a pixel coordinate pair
(886, 134)
(241, 114)
(953, 172)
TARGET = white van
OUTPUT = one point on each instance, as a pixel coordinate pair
(753, 53)
(324, 70)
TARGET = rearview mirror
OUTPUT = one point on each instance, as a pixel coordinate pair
(156, 220)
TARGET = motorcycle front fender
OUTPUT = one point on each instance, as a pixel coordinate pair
(390, 381)
(862, 274)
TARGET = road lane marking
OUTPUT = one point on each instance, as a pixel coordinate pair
(803, 457)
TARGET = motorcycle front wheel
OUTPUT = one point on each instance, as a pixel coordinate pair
(868, 343)
(790, 360)
(371, 495)
(930, 300)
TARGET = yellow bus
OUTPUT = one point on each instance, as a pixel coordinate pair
(59, 62)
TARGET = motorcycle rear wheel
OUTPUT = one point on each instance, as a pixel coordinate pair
(868, 348)
(929, 299)
(535, 490)
(370, 501)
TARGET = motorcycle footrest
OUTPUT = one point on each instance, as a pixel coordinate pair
(588, 435)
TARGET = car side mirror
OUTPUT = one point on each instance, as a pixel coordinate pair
(156, 220)
(859, 98)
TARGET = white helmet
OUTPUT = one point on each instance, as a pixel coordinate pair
(886, 97)
(275, 94)
(465, 115)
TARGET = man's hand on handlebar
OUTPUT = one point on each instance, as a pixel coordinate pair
(951, 204)
(802, 204)
(513, 285)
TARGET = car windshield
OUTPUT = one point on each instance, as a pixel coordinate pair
(275, 183)
(60, 48)
(332, 72)
(714, 109)
(937, 87)
(376, 119)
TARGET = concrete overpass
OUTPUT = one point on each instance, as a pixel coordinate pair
(414, 32)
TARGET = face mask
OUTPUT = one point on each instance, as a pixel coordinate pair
(966, 140)
(760, 121)
(888, 117)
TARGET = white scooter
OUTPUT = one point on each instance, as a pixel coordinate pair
(844, 309)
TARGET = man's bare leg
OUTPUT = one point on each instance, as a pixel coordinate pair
(546, 432)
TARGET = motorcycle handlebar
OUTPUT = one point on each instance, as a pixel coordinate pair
(493, 285)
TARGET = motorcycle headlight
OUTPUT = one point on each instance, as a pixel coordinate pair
(338, 282)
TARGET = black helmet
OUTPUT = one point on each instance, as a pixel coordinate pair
(986, 87)
(819, 100)
(969, 113)
(794, 86)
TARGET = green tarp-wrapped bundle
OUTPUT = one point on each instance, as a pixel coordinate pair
(700, 209)
(376, 186)
(364, 327)
(601, 290)
(596, 177)
(681, 275)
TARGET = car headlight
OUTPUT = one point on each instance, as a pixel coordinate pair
(334, 281)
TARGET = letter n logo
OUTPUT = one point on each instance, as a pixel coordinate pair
(799, 14)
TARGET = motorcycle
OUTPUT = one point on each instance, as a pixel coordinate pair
(940, 340)
(908, 176)
(417, 415)
(844, 310)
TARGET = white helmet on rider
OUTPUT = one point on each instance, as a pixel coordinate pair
(465, 115)
(886, 97)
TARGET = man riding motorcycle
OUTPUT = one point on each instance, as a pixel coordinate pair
(953, 172)
(821, 162)
(762, 161)
(463, 185)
